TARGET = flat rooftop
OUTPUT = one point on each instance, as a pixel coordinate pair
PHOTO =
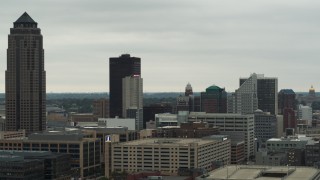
(167, 142)
(263, 173)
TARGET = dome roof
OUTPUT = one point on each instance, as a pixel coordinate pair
(311, 89)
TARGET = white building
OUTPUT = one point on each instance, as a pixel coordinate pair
(305, 113)
(237, 126)
(132, 99)
(166, 119)
(245, 100)
(130, 123)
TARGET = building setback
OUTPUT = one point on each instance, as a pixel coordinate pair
(119, 68)
(25, 78)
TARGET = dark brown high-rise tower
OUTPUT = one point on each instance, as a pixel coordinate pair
(25, 77)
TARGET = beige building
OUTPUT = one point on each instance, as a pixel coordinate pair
(12, 134)
(132, 99)
(101, 108)
(168, 155)
(83, 146)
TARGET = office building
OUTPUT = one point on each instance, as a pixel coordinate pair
(286, 98)
(100, 108)
(239, 127)
(25, 78)
(150, 111)
(130, 123)
(293, 146)
(188, 130)
(305, 114)
(267, 91)
(18, 168)
(119, 68)
(12, 134)
(237, 152)
(244, 100)
(265, 126)
(132, 99)
(82, 117)
(83, 147)
(169, 155)
(214, 100)
(55, 165)
(287, 105)
(313, 153)
(188, 101)
(166, 119)
(183, 103)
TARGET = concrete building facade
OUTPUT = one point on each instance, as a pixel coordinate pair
(132, 99)
(305, 114)
(169, 155)
(267, 92)
(245, 99)
(84, 148)
(237, 126)
(265, 126)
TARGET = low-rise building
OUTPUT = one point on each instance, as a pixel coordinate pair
(169, 155)
(16, 167)
(253, 172)
(119, 122)
(188, 130)
(313, 153)
(166, 119)
(237, 152)
(84, 148)
(12, 134)
(55, 165)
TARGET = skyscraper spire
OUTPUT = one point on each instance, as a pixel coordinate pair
(25, 21)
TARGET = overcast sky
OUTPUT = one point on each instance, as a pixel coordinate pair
(203, 42)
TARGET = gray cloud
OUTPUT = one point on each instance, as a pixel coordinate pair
(203, 42)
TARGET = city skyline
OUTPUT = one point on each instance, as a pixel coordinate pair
(201, 42)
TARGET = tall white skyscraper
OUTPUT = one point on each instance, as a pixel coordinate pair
(245, 100)
(132, 99)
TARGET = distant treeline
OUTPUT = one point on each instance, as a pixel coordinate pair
(98, 95)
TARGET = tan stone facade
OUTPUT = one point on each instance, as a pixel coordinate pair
(168, 155)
